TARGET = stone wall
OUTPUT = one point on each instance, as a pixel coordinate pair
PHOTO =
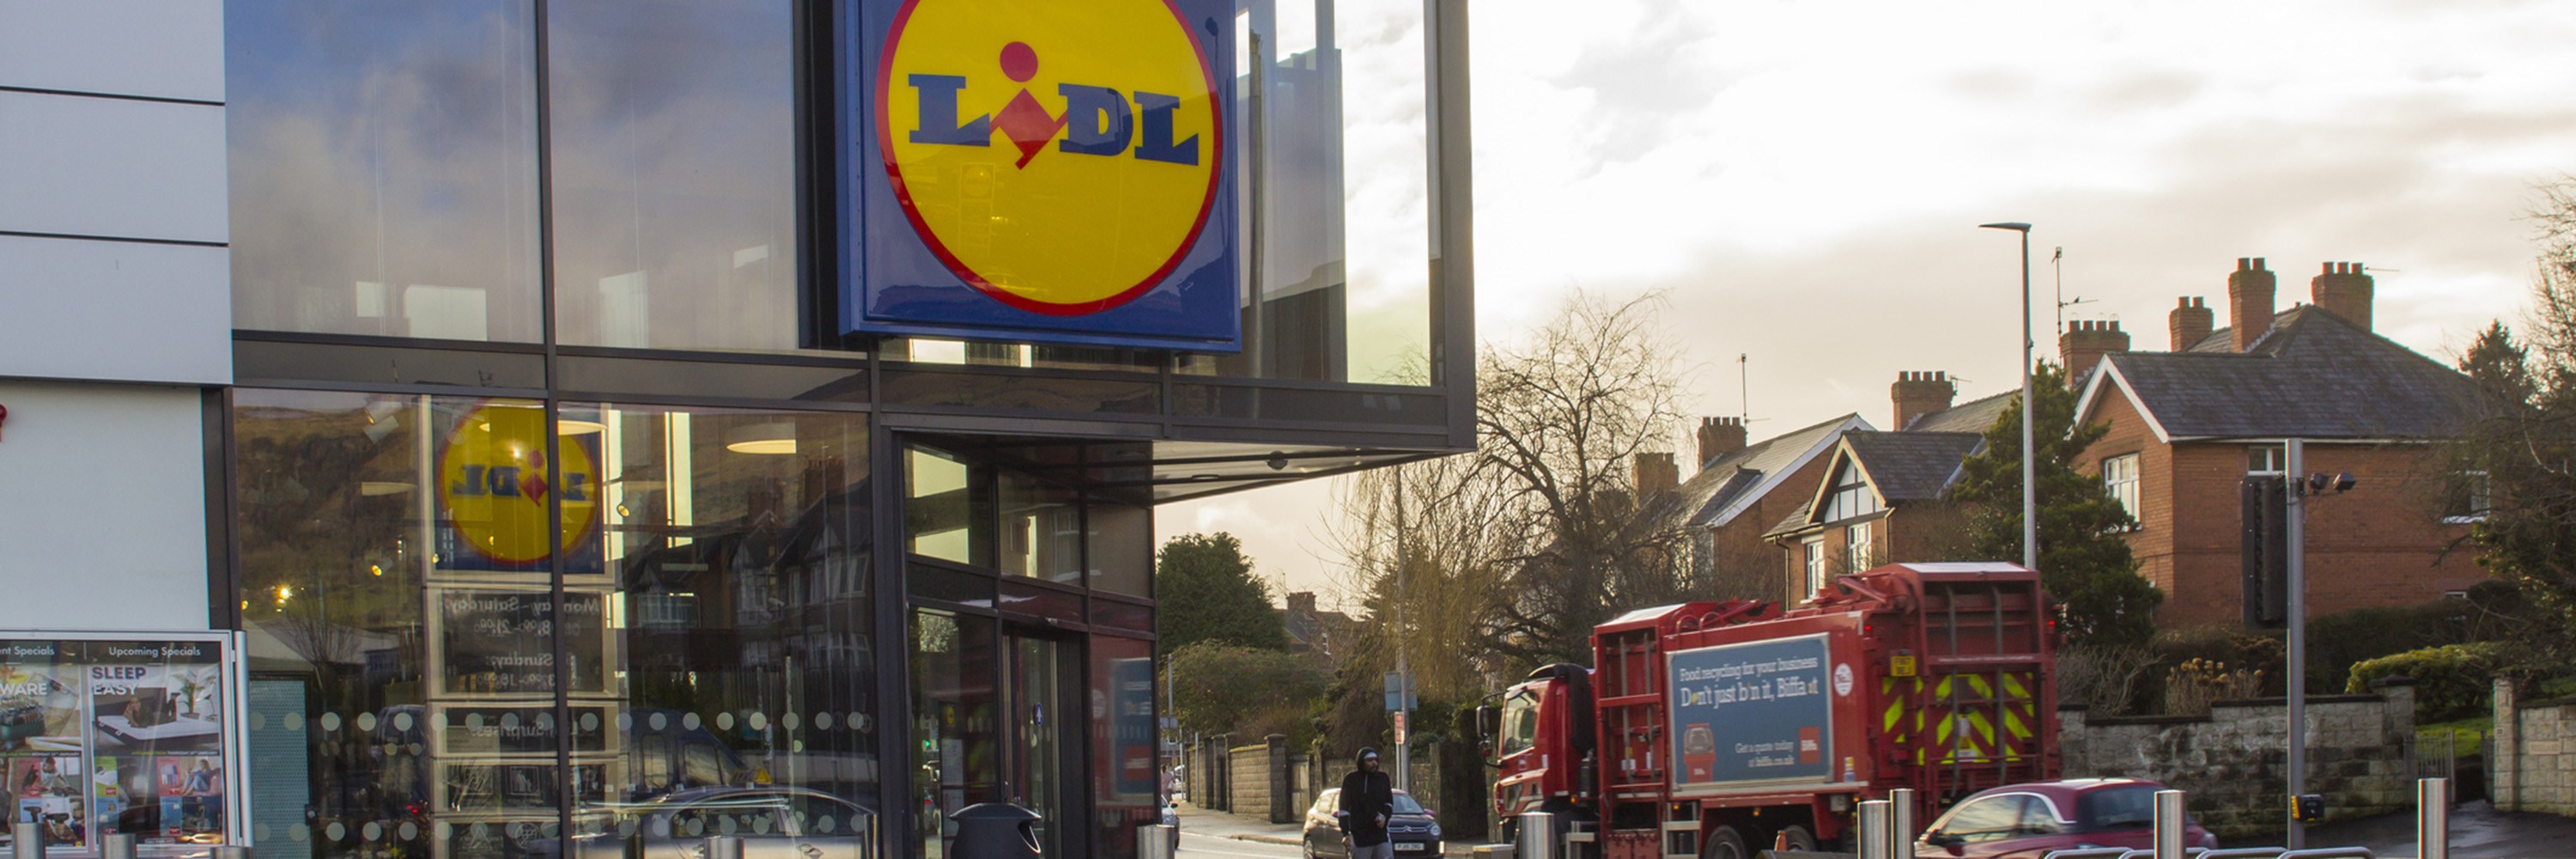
(2234, 762)
(1249, 792)
(2535, 761)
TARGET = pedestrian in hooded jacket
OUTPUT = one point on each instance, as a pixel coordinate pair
(1368, 800)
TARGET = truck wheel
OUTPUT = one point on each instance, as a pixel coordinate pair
(1725, 843)
(1798, 837)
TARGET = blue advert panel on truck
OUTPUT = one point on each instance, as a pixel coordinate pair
(1710, 730)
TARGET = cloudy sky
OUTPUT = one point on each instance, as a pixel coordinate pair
(1804, 180)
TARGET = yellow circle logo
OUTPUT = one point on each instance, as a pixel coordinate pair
(1059, 157)
(492, 480)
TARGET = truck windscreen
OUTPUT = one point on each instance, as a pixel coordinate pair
(1520, 722)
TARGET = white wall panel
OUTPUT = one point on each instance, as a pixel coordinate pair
(159, 48)
(115, 311)
(111, 167)
(102, 507)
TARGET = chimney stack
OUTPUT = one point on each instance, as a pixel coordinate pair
(2249, 299)
(1719, 437)
(1919, 393)
(2084, 344)
(2190, 322)
(2343, 290)
(1656, 475)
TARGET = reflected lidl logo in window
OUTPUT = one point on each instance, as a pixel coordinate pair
(494, 487)
(1055, 168)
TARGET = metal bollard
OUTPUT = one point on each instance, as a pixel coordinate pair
(232, 851)
(724, 847)
(1537, 835)
(116, 845)
(1874, 840)
(2433, 818)
(27, 840)
(1154, 841)
(2169, 820)
(1900, 822)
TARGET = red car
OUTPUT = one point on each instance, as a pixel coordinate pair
(2026, 821)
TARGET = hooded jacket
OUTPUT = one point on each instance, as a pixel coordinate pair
(1368, 802)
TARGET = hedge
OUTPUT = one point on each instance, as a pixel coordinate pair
(2451, 681)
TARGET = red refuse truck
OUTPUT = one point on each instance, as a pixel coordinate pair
(1710, 730)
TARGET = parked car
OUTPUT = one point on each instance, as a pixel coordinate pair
(2026, 821)
(1414, 830)
(774, 822)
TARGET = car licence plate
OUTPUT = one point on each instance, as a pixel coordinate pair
(1408, 845)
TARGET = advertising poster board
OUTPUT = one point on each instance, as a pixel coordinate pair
(116, 732)
(1757, 713)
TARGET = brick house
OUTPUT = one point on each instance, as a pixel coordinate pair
(2187, 425)
(1737, 493)
(1885, 498)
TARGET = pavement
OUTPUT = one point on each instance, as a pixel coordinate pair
(2478, 831)
(1200, 821)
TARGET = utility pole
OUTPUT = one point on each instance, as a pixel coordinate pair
(1403, 675)
(2295, 468)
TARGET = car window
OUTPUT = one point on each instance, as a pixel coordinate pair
(2037, 819)
(1985, 819)
(739, 814)
(1404, 804)
(811, 810)
(700, 766)
(2132, 807)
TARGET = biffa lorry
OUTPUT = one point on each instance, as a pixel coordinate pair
(1707, 730)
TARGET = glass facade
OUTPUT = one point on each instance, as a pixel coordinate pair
(552, 500)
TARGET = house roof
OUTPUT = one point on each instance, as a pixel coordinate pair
(1975, 415)
(1726, 487)
(2311, 375)
(1900, 467)
(1911, 466)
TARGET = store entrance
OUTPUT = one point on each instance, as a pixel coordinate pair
(1044, 694)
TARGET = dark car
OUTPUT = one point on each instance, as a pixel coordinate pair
(1413, 830)
(2029, 820)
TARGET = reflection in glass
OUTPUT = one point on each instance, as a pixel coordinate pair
(383, 160)
(1122, 548)
(1041, 530)
(673, 133)
(1126, 774)
(947, 508)
(737, 544)
(956, 745)
(1331, 96)
(387, 571)
(418, 637)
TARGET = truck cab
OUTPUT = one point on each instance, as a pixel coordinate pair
(1542, 740)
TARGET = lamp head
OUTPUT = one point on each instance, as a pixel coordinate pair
(2015, 226)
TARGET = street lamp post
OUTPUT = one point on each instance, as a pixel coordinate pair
(2029, 485)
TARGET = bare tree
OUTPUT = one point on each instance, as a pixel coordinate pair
(1512, 554)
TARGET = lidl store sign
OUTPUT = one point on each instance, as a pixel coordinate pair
(1040, 170)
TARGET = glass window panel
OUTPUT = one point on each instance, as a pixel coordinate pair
(1126, 769)
(383, 167)
(948, 507)
(1041, 530)
(736, 555)
(674, 170)
(956, 746)
(1122, 548)
(395, 564)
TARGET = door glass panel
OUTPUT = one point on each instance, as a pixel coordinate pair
(955, 747)
(947, 508)
(1041, 530)
(1045, 702)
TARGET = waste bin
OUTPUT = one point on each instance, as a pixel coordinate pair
(995, 830)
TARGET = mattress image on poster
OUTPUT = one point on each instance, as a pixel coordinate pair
(1753, 713)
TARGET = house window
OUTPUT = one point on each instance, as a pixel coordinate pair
(2465, 500)
(1856, 550)
(1852, 496)
(1815, 549)
(2266, 459)
(2120, 479)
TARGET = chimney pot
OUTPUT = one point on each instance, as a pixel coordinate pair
(2244, 263)
(2189, 323)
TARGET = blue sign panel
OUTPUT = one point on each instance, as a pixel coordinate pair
(1039, 170)
(1132, 726)
(1755, 712)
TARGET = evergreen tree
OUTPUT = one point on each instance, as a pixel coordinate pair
(2084, 562)
(1204, 590)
